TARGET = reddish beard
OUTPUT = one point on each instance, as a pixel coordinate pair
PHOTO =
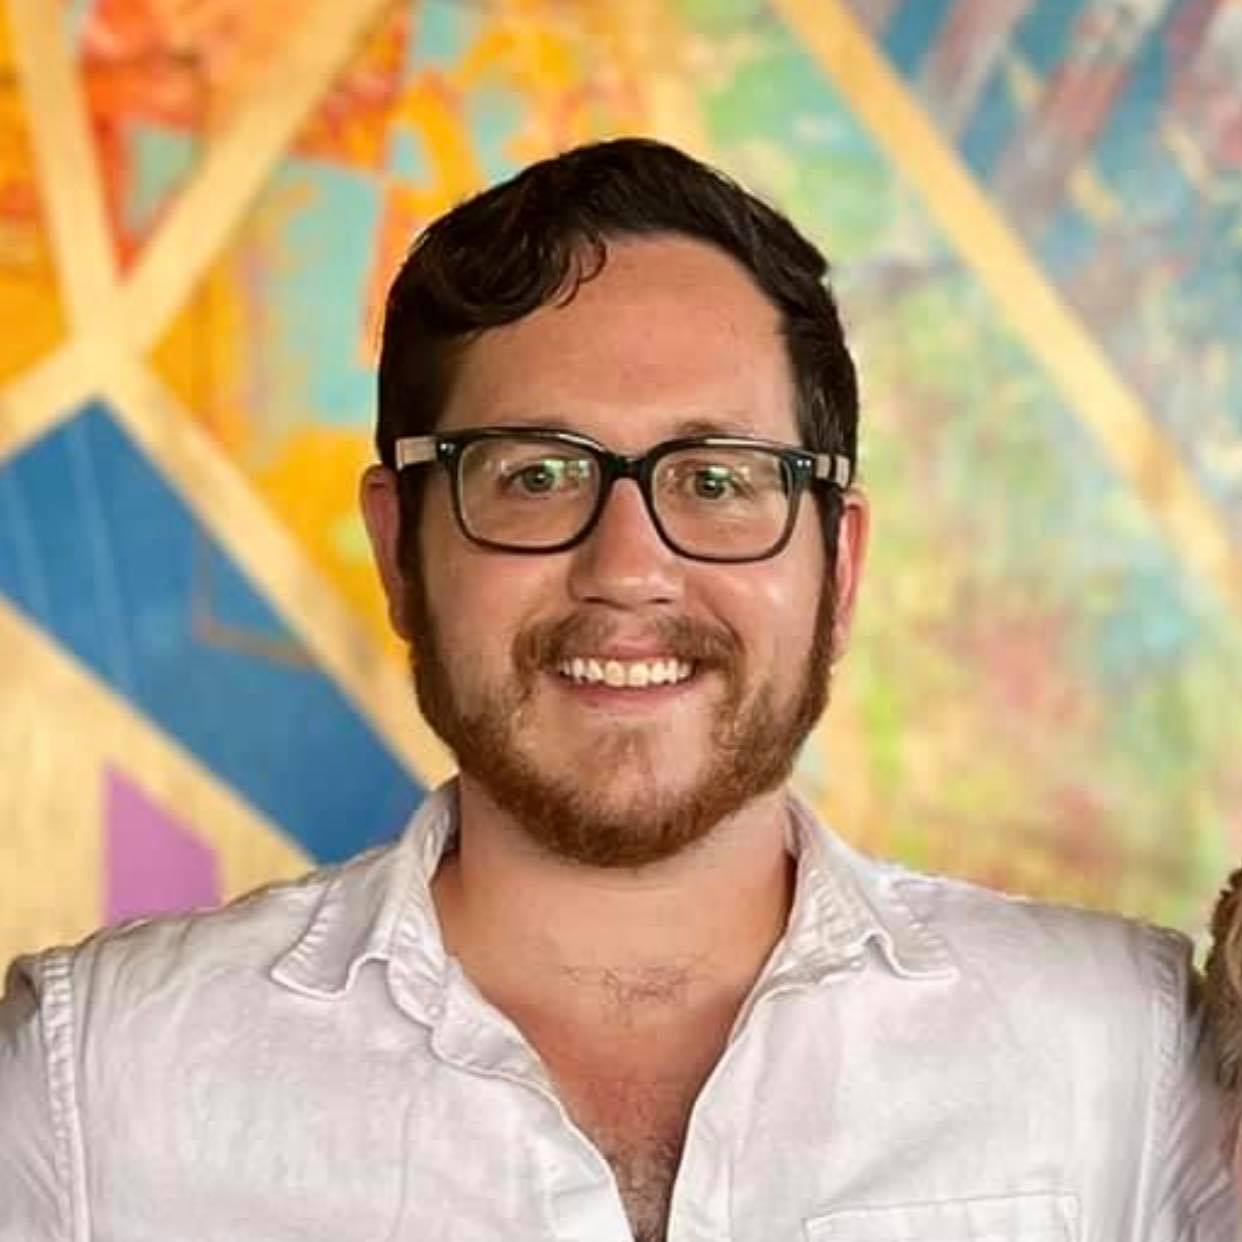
(754, 744)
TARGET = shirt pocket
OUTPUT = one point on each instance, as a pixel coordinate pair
(1005, 1218)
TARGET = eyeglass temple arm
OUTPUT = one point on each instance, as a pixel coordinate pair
(835, 467)
(413, 450)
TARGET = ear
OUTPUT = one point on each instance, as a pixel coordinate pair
(381, 510)
(853, 535)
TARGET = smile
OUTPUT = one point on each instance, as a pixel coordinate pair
(631, 674)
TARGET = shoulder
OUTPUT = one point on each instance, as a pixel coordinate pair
(1101, 1010)
(1094, 1017)
(969, 915)
(146, 962)
(1044, 956)
(1012, 946)
(1023, 954)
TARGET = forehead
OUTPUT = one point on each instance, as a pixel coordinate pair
(671, 332)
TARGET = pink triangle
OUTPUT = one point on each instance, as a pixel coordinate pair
(154, 863)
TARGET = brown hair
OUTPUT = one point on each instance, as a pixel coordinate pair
(521, 244)
(1223, 988)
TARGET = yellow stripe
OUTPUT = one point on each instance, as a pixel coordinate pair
(60, 729)
(47, 394)
(69, 181)
(1126, 430)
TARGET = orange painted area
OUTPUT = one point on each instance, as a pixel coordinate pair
(351, 126)
(184, 65)
(574, 71)
(312, 486)
(30, 304)
(180, 62)
(431, 107)
(202, 359)
(569, 63)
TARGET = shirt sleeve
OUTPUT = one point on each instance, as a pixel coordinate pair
(33, 1198)
(1195, 1197)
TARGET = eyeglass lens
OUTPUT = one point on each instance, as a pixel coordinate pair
(714, 501)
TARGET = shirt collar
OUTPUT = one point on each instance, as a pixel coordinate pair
(378, 907)
(844, 902)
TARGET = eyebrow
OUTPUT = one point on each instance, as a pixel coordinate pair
(698, 426)
(535, 422)
(715, 427)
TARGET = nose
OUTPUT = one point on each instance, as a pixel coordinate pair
(624, 562)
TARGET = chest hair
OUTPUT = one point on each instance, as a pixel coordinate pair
(630, 1089)
(639, 1126)
(645, 1173)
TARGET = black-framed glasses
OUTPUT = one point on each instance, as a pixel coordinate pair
(710, 497)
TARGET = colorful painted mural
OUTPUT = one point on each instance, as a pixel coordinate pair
(1034, 212)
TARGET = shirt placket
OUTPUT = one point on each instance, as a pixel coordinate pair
(581, 1194)
(699, 1209)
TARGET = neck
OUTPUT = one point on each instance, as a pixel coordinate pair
(682, 937)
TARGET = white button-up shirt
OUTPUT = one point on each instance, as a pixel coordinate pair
(920, 1061)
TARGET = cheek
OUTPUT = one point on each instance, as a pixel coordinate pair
(785, 595)
(455, 571)
(773, 612)
(450, 586)
(481, 601)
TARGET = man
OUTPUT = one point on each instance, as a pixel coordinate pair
(615, 982)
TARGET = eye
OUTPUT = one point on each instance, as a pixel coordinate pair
(545, 476)
(711, 482)
(541, 477)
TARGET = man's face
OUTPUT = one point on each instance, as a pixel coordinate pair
(671, 338)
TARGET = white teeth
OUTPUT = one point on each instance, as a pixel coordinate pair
(630, 674)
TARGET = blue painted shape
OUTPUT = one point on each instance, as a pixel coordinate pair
(1067, 241)
(912, 31)
(1044, 35)
(444, 30)
(1131, 136)
(495, 115)
(57, 559)
(327, 249)
(993, 123)
(162, 158)
(97, 549)
(407, 157)
(1203, 305)
(1149, 627)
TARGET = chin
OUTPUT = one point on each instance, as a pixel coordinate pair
(627, 765)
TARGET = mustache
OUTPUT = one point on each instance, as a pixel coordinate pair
(546, 645)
